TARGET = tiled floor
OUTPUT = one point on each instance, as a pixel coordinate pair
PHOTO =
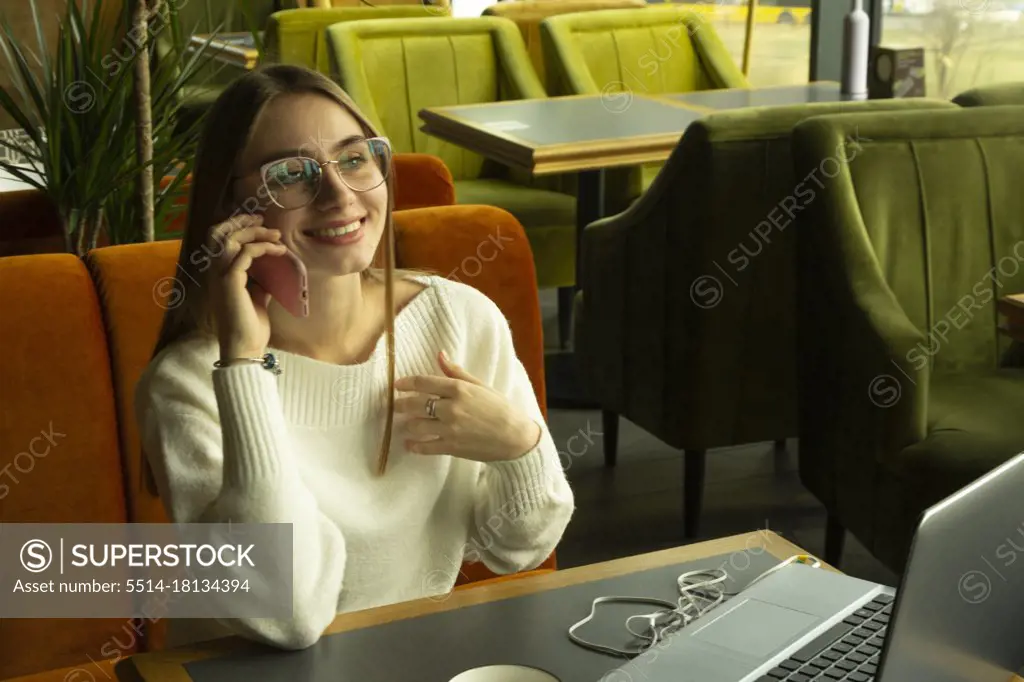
(637, 506)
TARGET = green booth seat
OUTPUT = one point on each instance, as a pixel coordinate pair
(908, 390)
(645, 51)
(297, 36)
(992, 95)
(395, 68)
(686, 324)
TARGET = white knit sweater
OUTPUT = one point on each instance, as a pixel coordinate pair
(240, 443)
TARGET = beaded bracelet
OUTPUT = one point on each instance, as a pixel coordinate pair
(268, 362)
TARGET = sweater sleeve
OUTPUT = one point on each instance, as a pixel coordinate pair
(221, 453)
(521, 507)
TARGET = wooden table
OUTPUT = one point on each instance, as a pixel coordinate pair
(238, 49)
(1012, 307)
(168, 666)
(571, 134)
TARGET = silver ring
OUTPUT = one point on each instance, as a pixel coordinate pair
(432, 407)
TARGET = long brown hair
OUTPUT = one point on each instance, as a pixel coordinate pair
(226, 133)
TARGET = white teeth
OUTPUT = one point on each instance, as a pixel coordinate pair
(337, 231)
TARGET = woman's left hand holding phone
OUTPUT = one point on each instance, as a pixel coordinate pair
(243, 325)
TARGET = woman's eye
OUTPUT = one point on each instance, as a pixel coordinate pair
(352, 161)
(287, 175)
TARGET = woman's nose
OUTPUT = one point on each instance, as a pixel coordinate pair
(333, 189)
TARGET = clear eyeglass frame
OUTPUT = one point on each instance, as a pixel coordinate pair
(384, 146)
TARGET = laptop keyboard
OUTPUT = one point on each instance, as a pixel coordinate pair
(847, 652)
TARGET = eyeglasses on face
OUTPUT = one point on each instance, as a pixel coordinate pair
(295, 181)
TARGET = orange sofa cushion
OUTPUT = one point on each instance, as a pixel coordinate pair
(58, 435)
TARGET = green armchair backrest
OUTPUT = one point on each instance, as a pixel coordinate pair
(297, 36)
(529, 14)
(395, 68)
(648, 50)
(927, 216)
(996, 94)
(689, 296)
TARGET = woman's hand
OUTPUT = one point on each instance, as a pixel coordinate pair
(472, 421)
(243, 326)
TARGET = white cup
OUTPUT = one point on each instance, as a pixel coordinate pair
(505, 673)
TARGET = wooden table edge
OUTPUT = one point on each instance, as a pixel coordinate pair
(569, 157)
(169, 666)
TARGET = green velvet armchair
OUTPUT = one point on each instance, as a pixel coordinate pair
(529, 14)
(647, 51)
(394, 68)
(297, 36)
(908, 391)
(992, 95)
(686, 323)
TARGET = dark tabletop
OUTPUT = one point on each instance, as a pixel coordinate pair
(528, 630)
(574, 120)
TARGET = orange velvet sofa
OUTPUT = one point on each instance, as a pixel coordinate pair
(77, 334)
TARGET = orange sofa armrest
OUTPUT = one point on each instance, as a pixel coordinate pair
(421, 180)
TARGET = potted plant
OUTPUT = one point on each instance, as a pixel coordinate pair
(78, 111)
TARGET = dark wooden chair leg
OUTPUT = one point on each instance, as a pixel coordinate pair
(835, 539)
(610, 431)
(565, 296)
(780, 456)
(694, 462)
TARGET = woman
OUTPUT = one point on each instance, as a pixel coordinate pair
(288, 162)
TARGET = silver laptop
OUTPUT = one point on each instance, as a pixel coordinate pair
(957, 616)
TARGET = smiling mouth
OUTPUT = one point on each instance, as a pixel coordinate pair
(339, 231)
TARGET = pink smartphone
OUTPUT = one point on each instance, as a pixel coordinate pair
(284, 278)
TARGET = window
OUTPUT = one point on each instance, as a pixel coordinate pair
(781, 46)
(967, 43)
